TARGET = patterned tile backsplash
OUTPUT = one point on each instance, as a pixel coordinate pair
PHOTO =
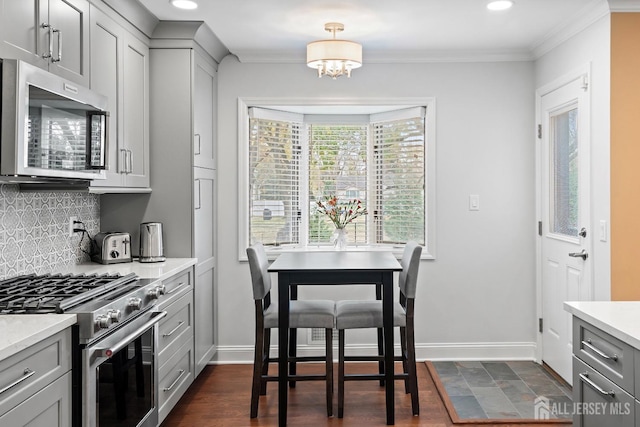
(34, 229)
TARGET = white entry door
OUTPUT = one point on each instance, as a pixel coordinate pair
(564, 200)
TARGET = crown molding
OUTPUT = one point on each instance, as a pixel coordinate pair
(591, 13)
(395, 57)
(624, 5)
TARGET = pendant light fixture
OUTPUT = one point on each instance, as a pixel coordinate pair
(334, 57)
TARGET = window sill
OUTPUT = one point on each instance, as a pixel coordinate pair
(397, 250)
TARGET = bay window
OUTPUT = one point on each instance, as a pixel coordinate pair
(292, 159)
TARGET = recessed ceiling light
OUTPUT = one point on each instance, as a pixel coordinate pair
(500, 5)
(184, 4)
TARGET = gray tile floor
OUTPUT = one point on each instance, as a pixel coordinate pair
(500, 390)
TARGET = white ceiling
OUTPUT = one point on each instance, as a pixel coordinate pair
(389, 30)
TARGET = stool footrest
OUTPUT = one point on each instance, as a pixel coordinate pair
(368, 377)
(311, 377)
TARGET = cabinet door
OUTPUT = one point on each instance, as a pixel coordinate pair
(21, 35)
(106, 78)
(204, 120)
(204, 195)
(602, 402)
(205, 316)
(135, 116)
(71, 41)
(50, 407)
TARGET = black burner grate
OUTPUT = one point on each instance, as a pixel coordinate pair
(33, 294)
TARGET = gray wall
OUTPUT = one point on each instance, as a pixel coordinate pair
(34, 229)
(477, 299)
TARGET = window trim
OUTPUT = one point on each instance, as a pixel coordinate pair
(244, 103)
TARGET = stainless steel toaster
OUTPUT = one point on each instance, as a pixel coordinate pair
(112, 247)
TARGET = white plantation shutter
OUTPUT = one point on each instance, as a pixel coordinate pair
(274, 177)
(337, 167)
(399, 157)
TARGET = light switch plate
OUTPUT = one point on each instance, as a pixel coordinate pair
(474, 202)
(603, 230)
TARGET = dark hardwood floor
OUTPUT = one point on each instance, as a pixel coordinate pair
(220, 397)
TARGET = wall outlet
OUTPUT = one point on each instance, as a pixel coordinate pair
(72, 225)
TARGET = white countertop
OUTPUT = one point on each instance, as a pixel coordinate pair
(151, 270)
(20, 331)
(618, 318)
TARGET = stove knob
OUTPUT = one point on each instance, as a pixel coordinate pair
(114, 254)
(103, 321)
(135, 303)
(156, 292)
(115, 315)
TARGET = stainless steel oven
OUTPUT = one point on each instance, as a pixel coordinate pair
(115, 341)
(119, 375)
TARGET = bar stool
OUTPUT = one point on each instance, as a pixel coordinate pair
(303, 314)
(368, 314)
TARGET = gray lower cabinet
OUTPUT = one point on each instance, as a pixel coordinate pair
(175, 342)
(604, 382)
(35, 384)
(50, 34)
(602, 402)
(50, 407)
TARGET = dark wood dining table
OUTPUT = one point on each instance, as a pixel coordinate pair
(334, 268)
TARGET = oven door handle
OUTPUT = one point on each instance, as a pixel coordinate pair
(111, 350)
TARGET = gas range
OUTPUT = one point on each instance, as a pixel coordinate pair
(102, 303)
(116, 333)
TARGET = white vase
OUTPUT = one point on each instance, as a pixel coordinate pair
(339, 239)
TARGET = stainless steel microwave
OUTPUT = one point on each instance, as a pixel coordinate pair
(50, 127)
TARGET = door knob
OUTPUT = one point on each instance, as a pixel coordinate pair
(582, 254)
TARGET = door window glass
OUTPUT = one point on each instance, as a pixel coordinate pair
(565, 171)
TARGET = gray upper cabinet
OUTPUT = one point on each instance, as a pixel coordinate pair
(120, 70)
(51, 34)
(204, 119)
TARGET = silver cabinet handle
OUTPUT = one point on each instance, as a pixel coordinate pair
(59, 58)
(123, 156)
(130, 170)
(599, 352)
(582, 254)
(180, 374)
(26, 374)
(49, 29)
(198, 151)
(199, 205)
(168, 334)
(176, 288)
(585, 378)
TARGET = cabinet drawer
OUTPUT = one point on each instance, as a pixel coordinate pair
(49, 407)
(175, 329)
(34, 368)
(608, 355)
(602, 403)
(175, 286)
(175, 377)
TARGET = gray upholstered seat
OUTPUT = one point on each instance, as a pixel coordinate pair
(303, 314)
(368, 314)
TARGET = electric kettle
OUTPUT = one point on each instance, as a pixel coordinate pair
(151, 249)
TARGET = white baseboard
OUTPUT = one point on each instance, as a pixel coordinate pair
(432, 351)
